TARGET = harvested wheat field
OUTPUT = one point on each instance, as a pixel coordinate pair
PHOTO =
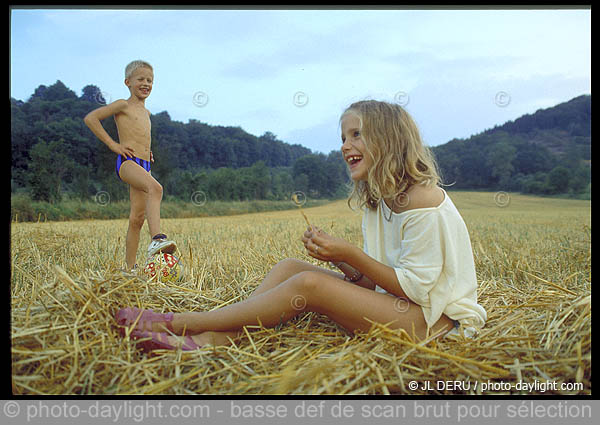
(533, 258)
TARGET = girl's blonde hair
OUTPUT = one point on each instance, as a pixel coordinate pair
(399, 157)
(132, 66)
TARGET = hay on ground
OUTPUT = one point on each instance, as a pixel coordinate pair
(65, 340)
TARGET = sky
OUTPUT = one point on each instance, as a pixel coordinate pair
(292, 72)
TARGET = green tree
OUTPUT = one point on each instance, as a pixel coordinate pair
(258, 182)
(282, 184)
(222, 184)
(499, 160)
(313, 167)
(580, 178)
(558, 180)
(47, 168)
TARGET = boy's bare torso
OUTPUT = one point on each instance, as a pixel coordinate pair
(133, 126)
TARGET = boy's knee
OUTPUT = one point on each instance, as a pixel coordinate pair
(156, 189)
(137, 220)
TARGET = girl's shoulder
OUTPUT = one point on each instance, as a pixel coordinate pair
(417, 197)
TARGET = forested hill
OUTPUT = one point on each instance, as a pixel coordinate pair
(55, 112)
(54, 153)
(547, 152)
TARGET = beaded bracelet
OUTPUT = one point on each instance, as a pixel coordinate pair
(355, 277)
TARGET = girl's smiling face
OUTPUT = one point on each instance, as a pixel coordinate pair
(353, 148)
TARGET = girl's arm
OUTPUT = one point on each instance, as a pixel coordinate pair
(351, 274)
(374, 271)
(324, 247)
(92, 120)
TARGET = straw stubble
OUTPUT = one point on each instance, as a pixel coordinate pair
(533, 265)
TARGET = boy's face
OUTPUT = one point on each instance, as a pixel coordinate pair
(140, 82)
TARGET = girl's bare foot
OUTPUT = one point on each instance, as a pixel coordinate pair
(144, 320)
(162, 340)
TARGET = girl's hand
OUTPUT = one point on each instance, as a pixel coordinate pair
(151, 157)
(324, 247)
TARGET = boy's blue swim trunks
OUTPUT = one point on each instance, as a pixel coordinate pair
(141, 162)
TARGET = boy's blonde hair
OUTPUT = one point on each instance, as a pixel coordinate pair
(132, 66)
(399, 157)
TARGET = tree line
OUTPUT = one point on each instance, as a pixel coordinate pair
(55, 155)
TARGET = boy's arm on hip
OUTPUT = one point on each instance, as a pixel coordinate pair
(92, 120)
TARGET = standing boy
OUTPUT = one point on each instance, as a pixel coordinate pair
(134, 158)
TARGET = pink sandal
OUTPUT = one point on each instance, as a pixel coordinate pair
(128, 316)
(160, 340)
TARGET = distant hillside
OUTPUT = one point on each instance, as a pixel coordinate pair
(556, 128)
(547, 152)
(54, 153)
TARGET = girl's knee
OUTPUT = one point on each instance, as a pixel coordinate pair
(307, 282)
(291, 265)
(311, 291)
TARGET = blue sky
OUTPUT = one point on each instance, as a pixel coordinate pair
(292, 72)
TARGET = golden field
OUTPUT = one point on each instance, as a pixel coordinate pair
(533, 259)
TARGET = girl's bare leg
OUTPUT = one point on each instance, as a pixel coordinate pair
(348, 305)
(281, 272)
(287, 268)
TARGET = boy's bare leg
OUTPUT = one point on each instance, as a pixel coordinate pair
(137, 199)
(140, 179)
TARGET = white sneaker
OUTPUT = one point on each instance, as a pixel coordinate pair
(133, 271)
(161, 244)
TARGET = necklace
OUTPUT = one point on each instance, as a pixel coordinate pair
(401, 200)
